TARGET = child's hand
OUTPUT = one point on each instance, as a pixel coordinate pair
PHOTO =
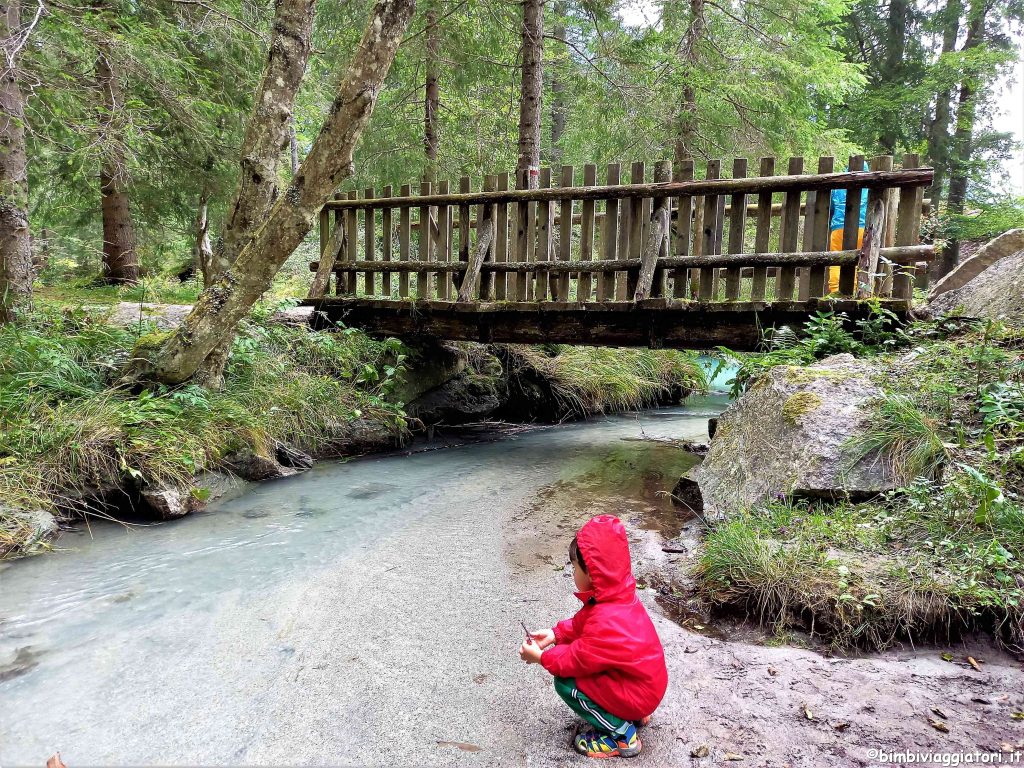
(543, 637)
(530, 653)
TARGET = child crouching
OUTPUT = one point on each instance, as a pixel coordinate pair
(607, 660)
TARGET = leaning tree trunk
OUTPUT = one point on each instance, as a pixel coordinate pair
(531, 90)
(222, 306)
(15, 244)
(120, 259)
(892, 68)
(271, 128)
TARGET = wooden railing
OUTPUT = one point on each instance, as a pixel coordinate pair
(707, 240)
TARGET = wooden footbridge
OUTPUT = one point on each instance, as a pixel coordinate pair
(670, 261)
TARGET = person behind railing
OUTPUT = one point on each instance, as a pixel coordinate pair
(837, 216)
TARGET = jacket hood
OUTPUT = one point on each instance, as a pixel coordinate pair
(605, 549)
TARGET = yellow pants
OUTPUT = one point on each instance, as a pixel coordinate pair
(835, 243)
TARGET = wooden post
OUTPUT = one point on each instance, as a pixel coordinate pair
(484, 246)
(908, 230)
(465, 186)
(681, 232)
(622, 248)
(818, 241)
(763, 233)
(545, 214)
(369, 244)
(657, 231)
(867, 264)
(851, 228)
(332, 243)
(790, 232)
(561, 284)
(606, 280)
(637, 175)
(523, 227)
(444, 244)
(386, 230)
(709, 234)
(737, 228)
(879, 163)
(424, 280)
(584, 287)
(404, 241)
(352, 244)
(501, 240)
(485, 213)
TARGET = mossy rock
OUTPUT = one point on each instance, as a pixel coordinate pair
(799, 404)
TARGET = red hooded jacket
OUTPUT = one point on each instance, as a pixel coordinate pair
(610, 646)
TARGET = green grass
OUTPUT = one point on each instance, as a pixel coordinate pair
(66, 428)
(597, 379)
(901, 438)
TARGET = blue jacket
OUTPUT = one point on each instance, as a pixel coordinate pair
(838, 209)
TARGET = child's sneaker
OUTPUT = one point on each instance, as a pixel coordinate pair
(595, 744)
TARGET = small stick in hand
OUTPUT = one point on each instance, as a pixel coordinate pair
(529, 640)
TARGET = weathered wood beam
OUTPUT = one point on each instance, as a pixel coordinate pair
(657, 231)
(792, 183)
(483, 245)
(908, 254)
(657, 322)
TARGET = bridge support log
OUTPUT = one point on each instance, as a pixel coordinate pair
(655, 323)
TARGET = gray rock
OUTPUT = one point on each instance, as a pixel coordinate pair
(249, 465)
(220, 486)
(167, 502)
(292, 458)
(788, 435)
(994, 250)
(27, 528)
(997, 293)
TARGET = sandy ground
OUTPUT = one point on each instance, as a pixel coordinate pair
(419, 691)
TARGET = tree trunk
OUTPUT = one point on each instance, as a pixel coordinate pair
(938, 130)
(686, 117)
(962, 146)
(120, 259)
(219, 309)
(202, 250)
(531, 90)
(293, 141)
(15, 244)
(431, 92)
(270, 129)
(892, 65)
(558, 104)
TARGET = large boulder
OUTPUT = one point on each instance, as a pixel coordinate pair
(789, 434)
(989, 285)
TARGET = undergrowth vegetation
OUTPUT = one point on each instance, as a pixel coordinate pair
(596, 379)
(68, 429)
(944, 554)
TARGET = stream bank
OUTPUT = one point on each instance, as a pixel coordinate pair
(74, 444)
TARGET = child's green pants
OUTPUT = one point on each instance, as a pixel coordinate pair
(586, 708)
